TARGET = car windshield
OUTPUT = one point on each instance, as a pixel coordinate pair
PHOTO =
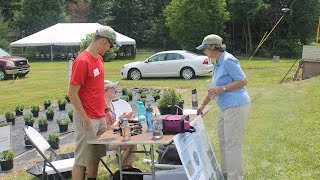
(3, 53)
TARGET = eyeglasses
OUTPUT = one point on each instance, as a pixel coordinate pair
(111, 42)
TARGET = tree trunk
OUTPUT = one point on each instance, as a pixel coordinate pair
(249, 35)
(246, 37)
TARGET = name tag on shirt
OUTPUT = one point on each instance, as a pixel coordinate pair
(96, 72)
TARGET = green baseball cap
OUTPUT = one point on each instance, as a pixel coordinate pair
(108, 32)
(211, 39)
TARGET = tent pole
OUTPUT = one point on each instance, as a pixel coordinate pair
(51, 53)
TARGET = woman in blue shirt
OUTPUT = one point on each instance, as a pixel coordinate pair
(228, 88)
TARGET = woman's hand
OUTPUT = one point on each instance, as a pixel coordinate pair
(126, 115)
(215, 91)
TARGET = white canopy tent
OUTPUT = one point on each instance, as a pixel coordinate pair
(65, 34)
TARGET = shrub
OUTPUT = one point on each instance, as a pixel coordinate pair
(63, 121)
(28, 118)
(62, 101)
(19, 108)
(169, 98)
(70, 113)
(35, 109)
(43, 121)
(9, 115)
(50, 110)
(53, 137)
(143, 95)
(7, 155)
(47, 101)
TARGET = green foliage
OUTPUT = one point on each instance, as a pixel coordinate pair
(4, 33)
(50, 110)
(47, 101)
(63, 121)
(111, 54)
(70, 112)
(35, 109)
(189, 21)
(62, 101)
(43, 121)
(143, 95)
(36, 15)
(19, 108)
(129, 93)
(124, 91)
(53, 137)
(169, 98)
(28, 118)
(9, 115)
(125, 97)
(155, 93)
(7, 155)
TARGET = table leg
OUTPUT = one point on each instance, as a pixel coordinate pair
(120, 161)
(152, 162)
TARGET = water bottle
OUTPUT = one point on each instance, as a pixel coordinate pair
(141, 112)
(194, 99)
(157, 127)
(149, 112)
(125, 129)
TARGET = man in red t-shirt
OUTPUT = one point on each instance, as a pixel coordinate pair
(86, 93)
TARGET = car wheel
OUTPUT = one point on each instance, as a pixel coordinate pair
(187, 73)
(134, 74)
(2, 75)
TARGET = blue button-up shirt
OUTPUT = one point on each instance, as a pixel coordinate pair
(227, 70)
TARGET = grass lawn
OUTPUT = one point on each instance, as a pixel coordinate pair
(282, 138)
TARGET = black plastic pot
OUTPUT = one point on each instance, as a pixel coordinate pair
(13, 121)
(62, 107)
(46, 105)
(35, 113)
(43, 127)
(156, 98)
(63, 128)
(27, 143)
(19, 113)
(164, 110)
(49, 116)
(28, 123)
(54, 144)
(180, 110)
(71, 118)
(6, 165)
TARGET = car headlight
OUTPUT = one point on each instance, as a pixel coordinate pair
(10, 64)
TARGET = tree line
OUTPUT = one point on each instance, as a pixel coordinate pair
(175, 24)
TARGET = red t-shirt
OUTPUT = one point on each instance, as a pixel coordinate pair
(88, 72)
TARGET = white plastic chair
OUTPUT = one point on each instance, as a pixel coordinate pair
(41, 145)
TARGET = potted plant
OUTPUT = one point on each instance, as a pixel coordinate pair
(28, 120)
(124, 91)
(50, 113)
(62, 104)
(155, 95)
(7, 160)
(130, 95)
(168, 101)
(70, 113)
(63, 124)
(27, 142)
(35, 111)
(43, 124)
(53, 140)
(10, 117)
(19, 110)
(46, 103)
(67, 98)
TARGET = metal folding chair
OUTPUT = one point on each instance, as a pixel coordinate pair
(41, 145)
